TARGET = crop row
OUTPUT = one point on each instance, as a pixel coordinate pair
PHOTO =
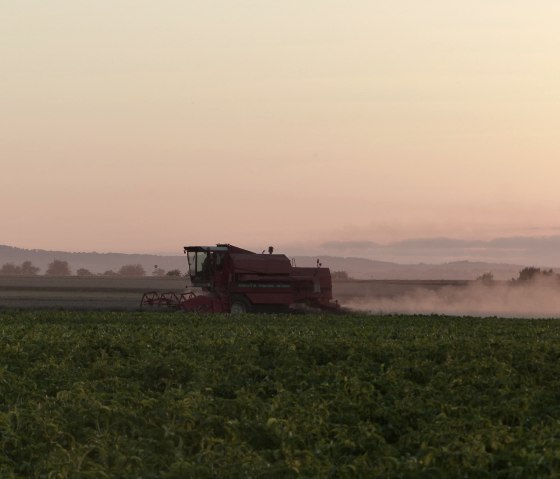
(172, 395)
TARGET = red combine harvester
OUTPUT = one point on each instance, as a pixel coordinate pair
(234, 280)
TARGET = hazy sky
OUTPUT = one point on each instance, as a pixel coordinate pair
(140, 126)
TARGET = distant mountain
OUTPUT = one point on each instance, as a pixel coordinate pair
(543, 251)
(362, 268)
(359, 268)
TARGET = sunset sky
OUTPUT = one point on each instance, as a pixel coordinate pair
(141, 126)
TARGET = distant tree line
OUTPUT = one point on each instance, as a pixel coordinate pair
(62, 268)
(24, 269)
(532, 273)
(528, 274)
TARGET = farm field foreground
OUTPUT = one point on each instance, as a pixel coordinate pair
(101, 394)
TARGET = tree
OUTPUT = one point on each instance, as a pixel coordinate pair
(173, 272)
(531, 273)
(132, 270)
(58, 268)
(84, 272)
(27, 268)
(10, 269)
(110, 272)
(486, 278)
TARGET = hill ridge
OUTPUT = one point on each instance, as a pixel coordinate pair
(356, 267)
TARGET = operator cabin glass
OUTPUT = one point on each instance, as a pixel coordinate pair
(198, 263)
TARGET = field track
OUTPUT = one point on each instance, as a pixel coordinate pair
(117, 293)
(82, 293)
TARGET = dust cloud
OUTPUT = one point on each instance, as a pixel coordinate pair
(533, 299)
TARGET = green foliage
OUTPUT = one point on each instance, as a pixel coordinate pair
(174, 396)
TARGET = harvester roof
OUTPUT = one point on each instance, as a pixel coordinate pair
(204, 248)
(218, 248)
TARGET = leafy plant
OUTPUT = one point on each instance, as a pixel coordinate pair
(169, 395)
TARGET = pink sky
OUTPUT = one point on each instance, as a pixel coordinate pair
(140, 126)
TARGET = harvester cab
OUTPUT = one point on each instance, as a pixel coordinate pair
(204, 263)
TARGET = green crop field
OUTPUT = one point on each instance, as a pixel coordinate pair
(95, 395)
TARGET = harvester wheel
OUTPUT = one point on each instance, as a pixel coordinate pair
(239, 306)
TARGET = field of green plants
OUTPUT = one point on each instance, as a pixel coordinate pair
(96, 395)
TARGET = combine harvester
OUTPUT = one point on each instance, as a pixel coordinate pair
(229, 279)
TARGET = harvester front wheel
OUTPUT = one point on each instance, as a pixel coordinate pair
(239, 306)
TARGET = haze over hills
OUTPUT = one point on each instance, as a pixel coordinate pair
(359, 268)
(362, 268)
(542, 251)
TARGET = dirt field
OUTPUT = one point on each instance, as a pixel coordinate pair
(111, 293)
(115, 293)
